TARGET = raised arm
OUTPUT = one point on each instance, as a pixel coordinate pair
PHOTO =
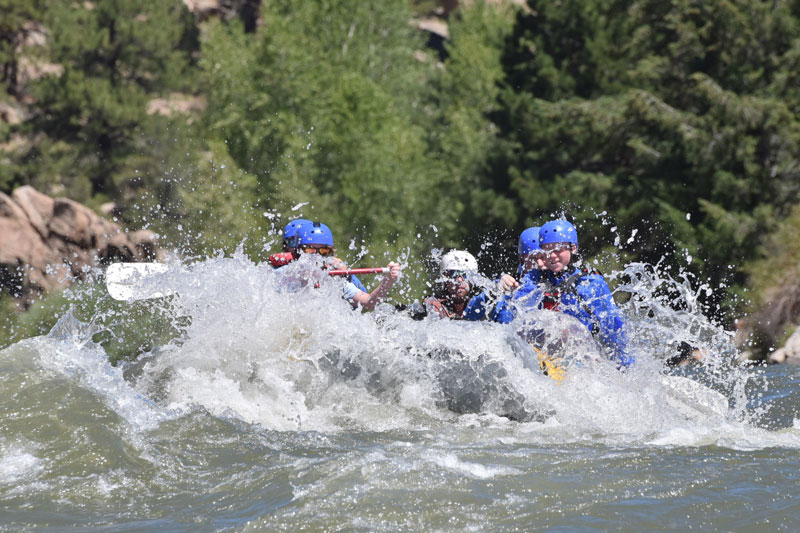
(369, 300)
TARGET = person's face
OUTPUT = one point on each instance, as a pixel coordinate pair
(457, 284)
(559, 255)
(533, 261)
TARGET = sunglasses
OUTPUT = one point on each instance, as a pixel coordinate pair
(556, 247)
(455, 274)
(321, 250)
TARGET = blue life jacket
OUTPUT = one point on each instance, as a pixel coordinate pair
(583, 294)
(357, 282)
(476, 308)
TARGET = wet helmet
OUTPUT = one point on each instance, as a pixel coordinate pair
(529, 242)
(314, 233)
(458, 260)
(290, 232)
(558, 231)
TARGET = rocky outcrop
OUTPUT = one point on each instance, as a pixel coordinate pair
(789, 353)
(47, 243)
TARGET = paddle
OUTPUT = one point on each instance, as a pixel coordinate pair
(358, 271)
(128, 281)
(133, 281)
(693, 399)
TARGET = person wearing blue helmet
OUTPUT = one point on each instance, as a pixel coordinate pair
(567, 287)
(288, 254)
(290, 233)
(531, 261)
(317, 239)
(290, 245)
(531, 265)
(531, 256)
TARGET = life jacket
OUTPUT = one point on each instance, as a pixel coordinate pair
(584, 294)
(281, 259)
(553, 293)
(439, 307)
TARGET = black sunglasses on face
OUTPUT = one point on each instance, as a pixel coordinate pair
(321, 250)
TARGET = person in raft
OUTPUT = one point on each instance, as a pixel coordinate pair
(317, 238)
(531, 263)
(568, 287)
(290, 252)
(454, 290)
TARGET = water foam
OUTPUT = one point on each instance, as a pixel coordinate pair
(269, 348)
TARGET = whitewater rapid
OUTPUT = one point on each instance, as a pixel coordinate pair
(273, 406)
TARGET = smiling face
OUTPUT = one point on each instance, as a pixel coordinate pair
(559, 255)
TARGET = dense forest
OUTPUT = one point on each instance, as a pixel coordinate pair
(668, 131)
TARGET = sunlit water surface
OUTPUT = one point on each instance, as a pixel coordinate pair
(279, 408)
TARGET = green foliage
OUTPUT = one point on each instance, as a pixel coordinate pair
(324, 106)
(116, 56)
(211, 207)
(15, 24)
(464, 94)
(663, 114)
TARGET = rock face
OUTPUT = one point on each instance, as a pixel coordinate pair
(789, 353)
(47, 243)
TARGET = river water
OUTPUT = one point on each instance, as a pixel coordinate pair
(281, 409)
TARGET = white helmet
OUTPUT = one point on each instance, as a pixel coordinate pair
(458, 260)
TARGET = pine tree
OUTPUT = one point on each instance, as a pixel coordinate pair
(325, 108)
(116, 56)
(674, 118)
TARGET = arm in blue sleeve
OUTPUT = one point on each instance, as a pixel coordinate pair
(357, 282)
(600, 303)
(504, 312)
(528, 296)
(476, 308)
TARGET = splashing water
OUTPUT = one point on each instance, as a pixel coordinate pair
(275, 391)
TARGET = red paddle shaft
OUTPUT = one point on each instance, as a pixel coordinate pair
(281, 259)
(358, 271)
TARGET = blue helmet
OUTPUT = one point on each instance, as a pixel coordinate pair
(558, 231)
(314, 233)
(529, 241)
(290, 231)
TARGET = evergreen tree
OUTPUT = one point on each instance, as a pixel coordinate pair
(664, 115)
(98, 136)
(464, 94)
(325, 108)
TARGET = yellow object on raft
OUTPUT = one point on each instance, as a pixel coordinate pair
(550, 365)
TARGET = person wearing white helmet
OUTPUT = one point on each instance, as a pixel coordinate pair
(453, 291)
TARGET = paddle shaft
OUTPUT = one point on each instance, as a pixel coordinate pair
(358, 271)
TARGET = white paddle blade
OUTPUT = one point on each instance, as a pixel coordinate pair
(135, 281)
(693, 398)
